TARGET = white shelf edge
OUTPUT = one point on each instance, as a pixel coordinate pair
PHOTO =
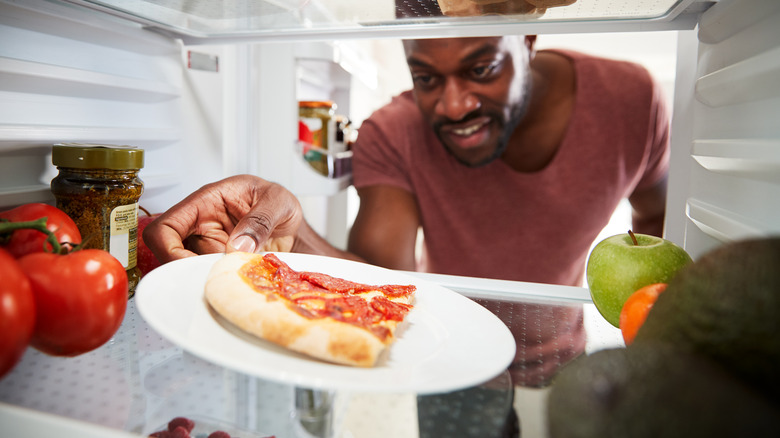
(721, 224)
(752, 79)
(437, 30)
(25, 195)
(82, 83)
(750, 158)
(728, 17)
(114, 32)
(42, 192)
(23, 136)
(306, 181)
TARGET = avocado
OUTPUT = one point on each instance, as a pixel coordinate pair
(654, 390)
(726, 306)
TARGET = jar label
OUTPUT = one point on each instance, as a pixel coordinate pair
(123, 242)
(311, 130)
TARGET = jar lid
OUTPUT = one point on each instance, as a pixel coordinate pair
(97, 156)
(316, 104)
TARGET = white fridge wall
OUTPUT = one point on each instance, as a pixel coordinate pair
(72, 75)
(726, 174)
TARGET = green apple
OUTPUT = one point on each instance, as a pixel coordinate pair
(621, 264)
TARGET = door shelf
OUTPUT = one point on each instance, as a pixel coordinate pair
(309, 170)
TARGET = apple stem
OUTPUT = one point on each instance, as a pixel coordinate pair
(633, 238)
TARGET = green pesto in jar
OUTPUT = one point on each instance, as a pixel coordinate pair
(99, 188)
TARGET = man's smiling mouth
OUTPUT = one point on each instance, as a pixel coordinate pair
(468, 130)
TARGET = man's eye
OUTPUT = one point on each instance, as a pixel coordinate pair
(424, 80)
(484, 71)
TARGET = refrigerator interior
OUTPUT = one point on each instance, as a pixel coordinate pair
(71, 74)
(81, 71)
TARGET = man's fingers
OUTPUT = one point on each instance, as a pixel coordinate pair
(242, 213)
(244, 242)
(200, 244)
(165, 242)
(271, 223)
(255, 230)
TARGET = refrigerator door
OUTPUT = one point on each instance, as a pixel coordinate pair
(725, 176)
(237, 20)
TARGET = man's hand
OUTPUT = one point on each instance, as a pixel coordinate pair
(240, 213)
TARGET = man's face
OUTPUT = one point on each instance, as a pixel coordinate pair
(473, 92)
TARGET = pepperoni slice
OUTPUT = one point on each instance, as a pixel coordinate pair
(334, 284)
(390, 310)
(339, 285)
(315, 295)
(396, 290)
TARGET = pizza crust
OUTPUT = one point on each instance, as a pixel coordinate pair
(327, 339)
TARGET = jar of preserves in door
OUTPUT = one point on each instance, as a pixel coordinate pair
(98, 187)
(314, 131)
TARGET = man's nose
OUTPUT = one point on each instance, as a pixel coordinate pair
(456, 100)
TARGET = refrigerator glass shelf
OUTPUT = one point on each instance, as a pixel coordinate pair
(139, 380)
(293, 19)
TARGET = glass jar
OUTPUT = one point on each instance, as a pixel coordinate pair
(98, 187)
(314, 131)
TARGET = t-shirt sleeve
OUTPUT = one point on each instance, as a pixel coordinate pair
(379, 154)
(657, 164)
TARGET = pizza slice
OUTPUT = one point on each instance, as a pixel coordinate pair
(312, 313)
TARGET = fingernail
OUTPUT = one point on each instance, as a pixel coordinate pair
(244, 243)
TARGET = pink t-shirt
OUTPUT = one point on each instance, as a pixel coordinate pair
(494, 222)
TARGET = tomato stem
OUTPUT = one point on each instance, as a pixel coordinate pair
(8, 227)
(633, 238)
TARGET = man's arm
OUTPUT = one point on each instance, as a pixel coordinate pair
(246, 213)
(649, 208)
(385, 229)
(384, 232)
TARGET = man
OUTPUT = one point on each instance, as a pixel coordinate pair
(511, 161)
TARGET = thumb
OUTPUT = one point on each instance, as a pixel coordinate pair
(243, 242)
(271, 224)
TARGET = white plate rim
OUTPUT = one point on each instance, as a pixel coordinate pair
(462, 360)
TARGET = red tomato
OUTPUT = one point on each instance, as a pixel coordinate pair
(80, 299)
(636, 308)
(24, 242)
(17, 312)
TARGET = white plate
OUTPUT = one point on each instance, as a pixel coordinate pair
(450, 342)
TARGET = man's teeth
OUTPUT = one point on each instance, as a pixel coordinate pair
(468, 130)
